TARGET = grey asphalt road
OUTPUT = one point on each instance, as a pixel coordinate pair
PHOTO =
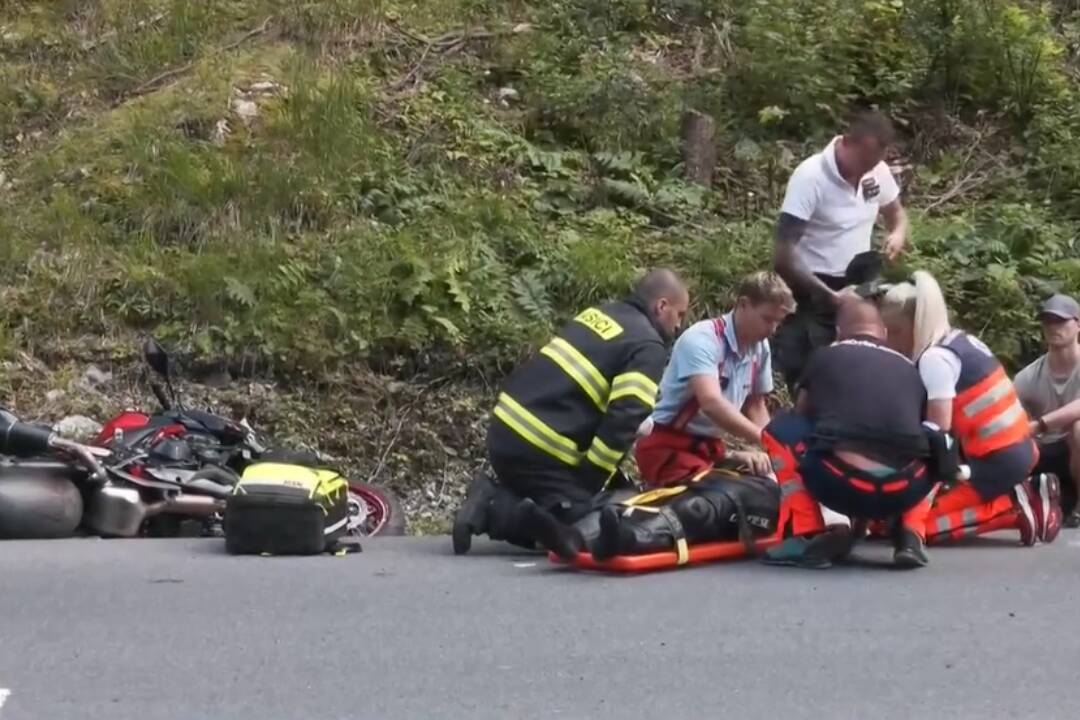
(177, 630)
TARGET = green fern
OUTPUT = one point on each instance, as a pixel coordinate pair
(239, 292)
(531, 295)
(620, 163)
(454, 285)
(623, 192)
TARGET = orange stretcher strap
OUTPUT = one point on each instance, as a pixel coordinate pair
(695, 555)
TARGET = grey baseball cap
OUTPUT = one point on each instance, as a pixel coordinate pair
(1061, 306)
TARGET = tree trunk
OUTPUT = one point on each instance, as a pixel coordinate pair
(698, 147)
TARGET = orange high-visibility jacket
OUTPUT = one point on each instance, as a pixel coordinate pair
(987, 415)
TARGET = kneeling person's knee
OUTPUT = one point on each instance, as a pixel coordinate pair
(1072, 436)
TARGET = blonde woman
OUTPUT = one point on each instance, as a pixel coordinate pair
(970, 397)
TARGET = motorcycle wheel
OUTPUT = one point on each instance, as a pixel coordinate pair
(38, 507)
(373, 510)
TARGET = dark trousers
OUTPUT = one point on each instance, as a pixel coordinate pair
(1054, 458)
(812, 325)
(523, 472)
(846, 489)
(999, 472)
(553, 490)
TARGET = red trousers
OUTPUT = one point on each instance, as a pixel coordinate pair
(958, 513)
(800, 513)
(668, 457)
(979, 506)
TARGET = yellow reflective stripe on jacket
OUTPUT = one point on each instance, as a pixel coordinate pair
(634, 384)
(602, 456)
(578, 367)
(535, 431)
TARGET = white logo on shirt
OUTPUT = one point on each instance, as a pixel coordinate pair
(867, 343)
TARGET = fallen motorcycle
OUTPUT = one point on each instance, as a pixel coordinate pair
(203, 454)
(49, 486)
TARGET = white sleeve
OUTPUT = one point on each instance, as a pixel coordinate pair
(800, 199)
(890, 190)
(940, 370)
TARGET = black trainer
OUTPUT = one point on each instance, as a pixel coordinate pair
(910, 550)
(471, 517)
(562, 539)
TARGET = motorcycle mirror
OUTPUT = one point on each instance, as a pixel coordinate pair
(156, 357)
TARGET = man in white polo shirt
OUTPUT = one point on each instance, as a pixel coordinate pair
(827, 220)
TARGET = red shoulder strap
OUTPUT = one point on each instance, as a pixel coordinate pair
(691, 407)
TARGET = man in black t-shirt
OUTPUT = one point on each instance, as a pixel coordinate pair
(855, 443)
(867, 395)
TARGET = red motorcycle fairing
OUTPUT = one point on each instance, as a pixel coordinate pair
(125, 421)
(130, 421)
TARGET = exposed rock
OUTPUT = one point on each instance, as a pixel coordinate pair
(266, 87)
(94, 377)
(244, 101)
(78, 427)
(220, 132)
(217, 379)
(246, 109)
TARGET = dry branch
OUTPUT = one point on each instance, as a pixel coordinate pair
(155, 81)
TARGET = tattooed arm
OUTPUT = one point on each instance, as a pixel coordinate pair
(788, 264)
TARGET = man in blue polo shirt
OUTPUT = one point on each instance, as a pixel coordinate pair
(716, 382)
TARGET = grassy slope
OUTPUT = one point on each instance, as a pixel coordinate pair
(389, 205)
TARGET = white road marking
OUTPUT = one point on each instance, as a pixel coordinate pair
(4, 695)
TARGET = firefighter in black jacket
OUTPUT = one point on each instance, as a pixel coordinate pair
(565, 419)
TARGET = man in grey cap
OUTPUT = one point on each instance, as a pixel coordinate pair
(1049, 390)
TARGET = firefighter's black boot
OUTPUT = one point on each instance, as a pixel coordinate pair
(472, 518)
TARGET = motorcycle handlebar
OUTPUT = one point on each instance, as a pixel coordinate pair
(83, 453)
(22, 439)
(25, 440)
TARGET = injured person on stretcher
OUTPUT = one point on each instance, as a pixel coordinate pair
(855, 445)
(883, 418)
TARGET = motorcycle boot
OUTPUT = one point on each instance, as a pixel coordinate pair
(472, 517)
(632, 531)
(543, 527)
(688, 518)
